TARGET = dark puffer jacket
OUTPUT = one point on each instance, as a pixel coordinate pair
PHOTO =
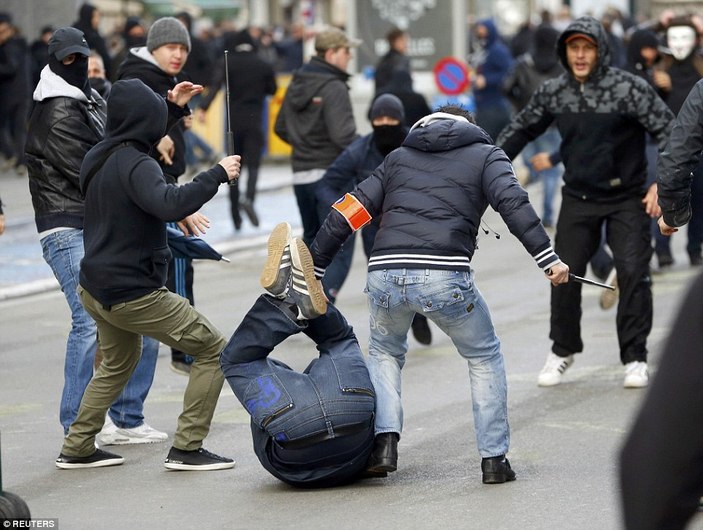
(602, 123)
(431, 193)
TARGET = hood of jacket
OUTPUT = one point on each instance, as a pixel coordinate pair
(491, 29)
(308, 80)
(52, 85)
(443, 132)
(135, 114)
(642, 38)
(594, 29)
(545, 48)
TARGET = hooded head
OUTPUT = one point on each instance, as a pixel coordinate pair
(486, 32)
(68, 57)
(239, 41)
(638, 58)
(545, 48)
(592, 31)
(143, 123)
(85, 16)
(135, 114)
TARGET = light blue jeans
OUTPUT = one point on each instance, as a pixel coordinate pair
(63, 251)
(548, 142)
(452, 301)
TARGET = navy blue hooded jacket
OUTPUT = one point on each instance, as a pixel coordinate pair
(431, 193)
(128, 201)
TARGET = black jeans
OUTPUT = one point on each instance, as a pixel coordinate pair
(577, 239)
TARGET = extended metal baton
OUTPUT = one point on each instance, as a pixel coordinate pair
(230, 137)
(590, 282)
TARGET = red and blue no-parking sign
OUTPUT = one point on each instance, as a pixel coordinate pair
(451, 76)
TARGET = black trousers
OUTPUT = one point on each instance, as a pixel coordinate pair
(577, 239)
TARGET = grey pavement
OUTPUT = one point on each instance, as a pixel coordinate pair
(23, 270)
(564, 440)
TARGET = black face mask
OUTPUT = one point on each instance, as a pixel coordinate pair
(75, 74)
(388, 137)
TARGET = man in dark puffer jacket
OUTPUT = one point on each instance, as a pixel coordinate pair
(431, 193)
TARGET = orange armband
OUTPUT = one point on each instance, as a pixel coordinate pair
(353, 211)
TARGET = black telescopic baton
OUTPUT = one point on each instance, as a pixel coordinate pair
(230, 136)
(591, 282)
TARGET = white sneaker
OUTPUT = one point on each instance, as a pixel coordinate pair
(553, 369)
(111, 434)
(636, 375)
(609, 298)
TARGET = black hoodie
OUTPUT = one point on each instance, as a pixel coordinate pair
(128, 201)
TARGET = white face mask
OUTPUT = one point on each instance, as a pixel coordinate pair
(681, 40)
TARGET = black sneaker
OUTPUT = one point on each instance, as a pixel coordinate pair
(99, 458)
(497, 470)
(198, 460)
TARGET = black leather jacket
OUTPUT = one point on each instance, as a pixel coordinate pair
(61, 131)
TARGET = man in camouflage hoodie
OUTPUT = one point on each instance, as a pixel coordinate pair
(602, 114)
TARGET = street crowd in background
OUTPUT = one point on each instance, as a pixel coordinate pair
(528, 102)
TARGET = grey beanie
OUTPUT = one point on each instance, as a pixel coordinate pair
(167, 30)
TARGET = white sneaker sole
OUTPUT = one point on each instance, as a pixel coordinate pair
(208, 467)
(101, 463)
(118, 439)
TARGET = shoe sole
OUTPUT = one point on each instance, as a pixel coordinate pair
(100, 463)
(278, 240)
(207, 467)
(129, 441)
(307, 285)
(381, 468)
(497, 478)
(635, 384)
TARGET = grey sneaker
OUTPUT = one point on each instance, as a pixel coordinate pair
(274, 277)
(306, 290)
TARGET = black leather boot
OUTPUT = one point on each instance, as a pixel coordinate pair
(496, 470)
(384, 457)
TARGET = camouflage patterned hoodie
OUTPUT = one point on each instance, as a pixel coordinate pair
(602, 122)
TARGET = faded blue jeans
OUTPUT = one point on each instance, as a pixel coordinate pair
(452, 301)
(63, 251)
(548, 142)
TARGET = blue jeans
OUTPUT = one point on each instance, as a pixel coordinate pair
(452, 301)
(63, 251)
(326, 411)
(548, 142)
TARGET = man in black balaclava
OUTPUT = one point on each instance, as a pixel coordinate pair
(356, 162)
(67, 120)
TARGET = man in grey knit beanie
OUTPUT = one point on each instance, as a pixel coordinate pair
(167, 30)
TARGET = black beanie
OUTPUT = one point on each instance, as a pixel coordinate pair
(387, 105)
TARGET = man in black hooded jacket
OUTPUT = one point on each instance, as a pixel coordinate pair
(602, 114)
(127, 204)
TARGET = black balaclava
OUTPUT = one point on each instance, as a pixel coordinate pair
(75, 74)
(388, 137)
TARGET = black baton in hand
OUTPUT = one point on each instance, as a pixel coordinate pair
(230, 136)
(590, 282)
